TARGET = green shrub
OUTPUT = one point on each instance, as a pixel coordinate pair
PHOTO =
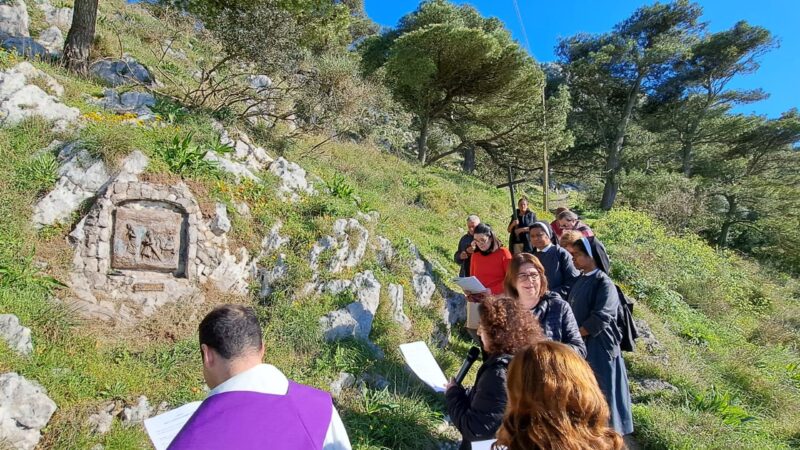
(183, 157)
(723, 404)
(38, 175)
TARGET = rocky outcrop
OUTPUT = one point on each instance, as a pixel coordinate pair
(118, 72)
(131, 102)
(293, 181)
(25, 46)
(16, 336)
(25, 409)
(421, 279)
(355, 320)
(348, 244)
(14, 20)
(396, 303)
(81, 176)
(21, 99)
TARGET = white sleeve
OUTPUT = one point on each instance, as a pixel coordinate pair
(336, 438)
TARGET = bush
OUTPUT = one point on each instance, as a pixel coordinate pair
(39, 175)
(183, 157)
(669, 197)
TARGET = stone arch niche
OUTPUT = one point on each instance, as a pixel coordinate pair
(136, 250)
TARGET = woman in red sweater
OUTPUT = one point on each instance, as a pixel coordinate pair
(488, 264)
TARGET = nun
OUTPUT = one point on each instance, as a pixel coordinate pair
(559, 269)
(595, 303)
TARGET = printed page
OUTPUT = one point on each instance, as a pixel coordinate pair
(470, 285)
(483, 445)
(163, 428)
(420, 359)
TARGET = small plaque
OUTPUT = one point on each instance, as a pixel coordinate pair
(147, 239)
(148, 287)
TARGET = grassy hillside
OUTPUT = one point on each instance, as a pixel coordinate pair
(729, 332)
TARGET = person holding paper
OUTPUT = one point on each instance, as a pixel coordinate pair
(505, 328)
(554, 402)
(488, 265)
(526, 281)
(253, 405)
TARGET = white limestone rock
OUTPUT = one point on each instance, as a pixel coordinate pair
(232, 275)
(238, 170)
(14, 20)
(16, 336)
(421, 278)
(25, 409)
(52, 40)
(220, 224)
(134, 102)
(293, 180)
(136, 414)
(396, 302)
(268, 277)
(384, 252)
(344, 381)
(349, 243)
(59, 17)
(20, 99)
(101, 422)
(355, 320)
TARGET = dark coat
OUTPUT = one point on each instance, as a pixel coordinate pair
(525, 221)
(478, 412)
(595, 303)
(559, 269)
(558, 323)
(465, 242)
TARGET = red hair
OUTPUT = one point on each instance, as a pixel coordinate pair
(554, 402)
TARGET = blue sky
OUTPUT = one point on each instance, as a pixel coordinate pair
(547, 21)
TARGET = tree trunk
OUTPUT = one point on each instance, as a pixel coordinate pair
(687, 158)
(730, 217)
(81, 35)
(469, 159)
(422, 141)
(614, 159)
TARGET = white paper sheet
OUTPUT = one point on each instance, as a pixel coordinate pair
(470, 285)
(420, 359)
(483, 445)
(163, 428)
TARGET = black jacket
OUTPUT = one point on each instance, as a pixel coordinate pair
(478, 412)
(466, 241)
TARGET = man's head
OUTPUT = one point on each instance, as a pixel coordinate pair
(230, 341)
(472, 222)
(567, 220)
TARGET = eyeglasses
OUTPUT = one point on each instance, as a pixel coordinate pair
(482, 241)
(532, 276)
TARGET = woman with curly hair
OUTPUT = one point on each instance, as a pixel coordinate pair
(554, 403)
(505, 328)
(527, 282)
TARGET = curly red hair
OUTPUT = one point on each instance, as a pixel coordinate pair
(508, 327)
(554, 402)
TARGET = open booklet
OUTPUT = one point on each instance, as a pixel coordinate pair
(163, 428)
(420, 359)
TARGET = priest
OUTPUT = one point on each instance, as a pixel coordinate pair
(252, 405)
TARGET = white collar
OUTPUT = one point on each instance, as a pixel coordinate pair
(546, 248)
(263, 378)
(591, 273)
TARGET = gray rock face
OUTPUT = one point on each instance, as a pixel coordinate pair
(16, 336)
(14, 18)
(101, 422)
(349, 243)
(421, 279)
(25, 46)
(384, 252)
(244, 152)
(59, 17)
(268, 277)
(20, 99)
(220, 224)
(293, 180)
(52, 40)
(25, 409)
(122, 71)
(135, 414)
(81, 176)
(238, 170)
(138, 103)
(233, 273)
(396, 299)
(355, 320)
(344, 381)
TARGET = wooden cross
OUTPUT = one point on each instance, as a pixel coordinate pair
(510, 186)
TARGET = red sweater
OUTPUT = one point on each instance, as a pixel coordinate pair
(490, 270)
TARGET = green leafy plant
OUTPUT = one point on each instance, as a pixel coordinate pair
(39, 175)
(340, 188)
(184, 157)
(169, 111)
(722, 404)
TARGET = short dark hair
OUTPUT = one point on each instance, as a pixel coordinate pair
(231, 330)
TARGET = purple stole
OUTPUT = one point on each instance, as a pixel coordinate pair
(244, 420)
